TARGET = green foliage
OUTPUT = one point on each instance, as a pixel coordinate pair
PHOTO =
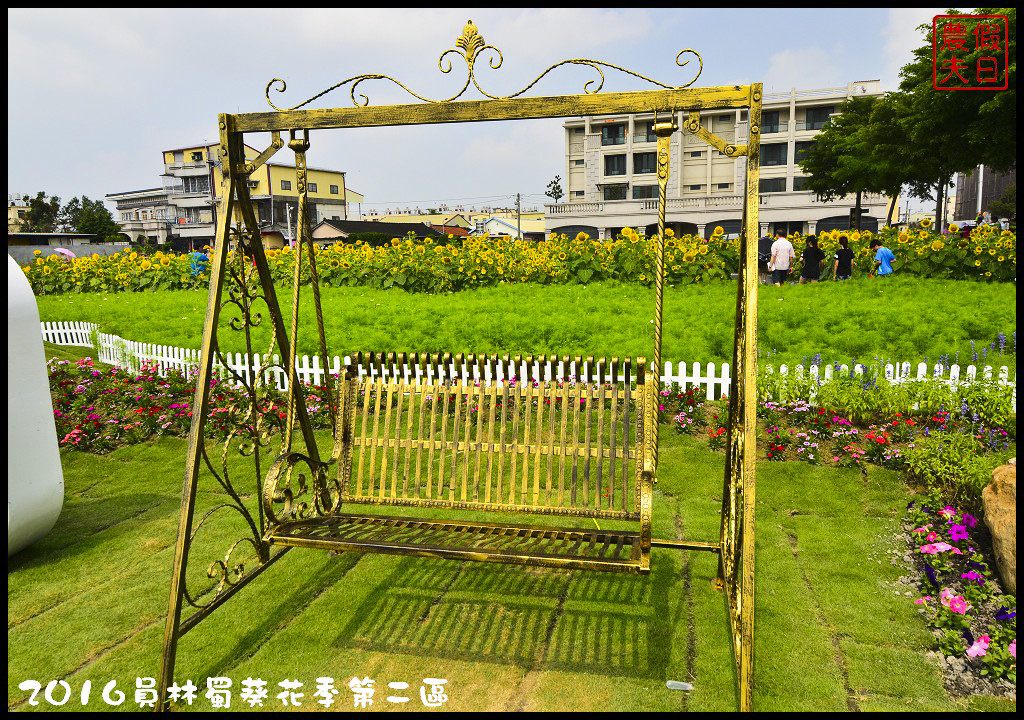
(554, 190)
(1006, 205)
(42, 213)
(88, 216)
(953, 463)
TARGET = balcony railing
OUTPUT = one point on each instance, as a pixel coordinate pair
(778, 127)
(644, 138)
(815, 125)
(701, 203)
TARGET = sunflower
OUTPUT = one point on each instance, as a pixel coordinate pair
(953, 228)
(165, 261)
(937, 245)
(37, 252)
(703, 250)
(927, 222)
(988, 274)
(719, 230)
(146, 264)
(992, 251)
(1001, 258)
(689, 256)
(561, 256)
(903, 238)
(977, 263)
(47, 271)
(977, 249)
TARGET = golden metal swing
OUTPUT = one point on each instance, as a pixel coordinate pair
(537, 446)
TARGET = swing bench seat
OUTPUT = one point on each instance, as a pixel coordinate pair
(453, 446)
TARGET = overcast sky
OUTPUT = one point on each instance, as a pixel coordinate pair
(94, 96)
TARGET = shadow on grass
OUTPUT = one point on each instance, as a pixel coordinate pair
(531, 618)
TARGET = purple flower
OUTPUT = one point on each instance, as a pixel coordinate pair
(968, 636)
(958, 532)
(930, 572)
(1004, 614)
(973, 575)
(969, 520)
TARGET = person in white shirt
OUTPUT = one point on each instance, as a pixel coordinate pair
(782, 257)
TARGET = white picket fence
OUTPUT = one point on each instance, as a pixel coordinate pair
(715, 380)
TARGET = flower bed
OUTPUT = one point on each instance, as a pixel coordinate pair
(962, 600)
(465, 263)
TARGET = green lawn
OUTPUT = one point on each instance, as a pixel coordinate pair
(857, 319)
(87, 603)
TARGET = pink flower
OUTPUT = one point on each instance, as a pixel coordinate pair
(1013, 647)
(945, 595)
(932, 537)
(922, 600)
(980, 647)
(929, 549)
(943, 546)
(959, 605)
(947, 512)
(923, 529)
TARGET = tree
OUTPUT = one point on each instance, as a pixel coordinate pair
(555, 189)
(41, 215)
(1005, 206)
(862, 149)
(957, 131)
(88, 216)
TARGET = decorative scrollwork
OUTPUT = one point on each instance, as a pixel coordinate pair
(469, 46)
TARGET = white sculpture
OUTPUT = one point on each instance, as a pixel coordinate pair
(35, 480)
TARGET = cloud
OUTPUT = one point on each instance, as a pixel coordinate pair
(805, 67)
(901, 36)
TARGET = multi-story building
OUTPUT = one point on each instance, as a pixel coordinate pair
(183, 212)
(611, 171)
(17, 206)
(991, 184)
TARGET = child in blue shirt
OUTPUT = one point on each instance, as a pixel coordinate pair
(883, 257)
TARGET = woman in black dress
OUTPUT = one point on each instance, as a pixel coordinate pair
(843, 267)
(813, 259)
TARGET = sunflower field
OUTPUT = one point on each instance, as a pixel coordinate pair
(461, 264)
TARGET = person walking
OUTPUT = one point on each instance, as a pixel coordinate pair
(842, 269)
(883, 258)
(782, 257)
(813, 261)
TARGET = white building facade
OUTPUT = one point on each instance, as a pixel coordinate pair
(612, 183)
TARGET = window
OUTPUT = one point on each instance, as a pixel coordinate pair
(773, 154)
(770, 185)
(645, 132)
(335, 217)
(334, 189)
(725, 118)
(195, 184)
(613, 135)
(695, 153)
(578, 193)
(770, 121)
(817, 117)
(311, 187)
(179, 156)
(197, 157)
(800, 150)
(798, 184)
(615, 165)
(645, 162)
(287, 184)
(577, 163)
(192, 215)
(577, 131)
(645, 192)
(615, 192)
(724, 186)
(694, 187)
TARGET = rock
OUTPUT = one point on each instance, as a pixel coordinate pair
(999, 502)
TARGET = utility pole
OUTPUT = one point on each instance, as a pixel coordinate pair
(288, 214)
(519, 219)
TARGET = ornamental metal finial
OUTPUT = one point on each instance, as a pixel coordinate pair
(471, 41)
